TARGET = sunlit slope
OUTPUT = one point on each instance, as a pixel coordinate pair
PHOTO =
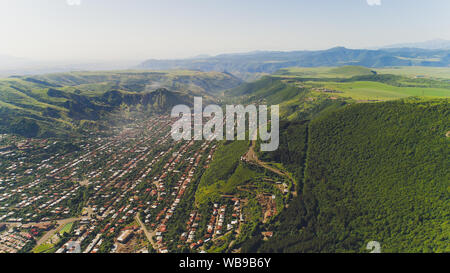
(326, 72)
(140, 81)
(368, 90)
(418, 71)
(59, 103)
(303, 92)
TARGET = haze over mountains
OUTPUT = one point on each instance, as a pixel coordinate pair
(10, 65)
(271, 61)
(431, 44)
(433, 53)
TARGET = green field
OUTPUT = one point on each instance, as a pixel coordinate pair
(66, 229)
(226, 161)
(304, 92)
(324, 72)
(44, 248)
(364, 90)
(418, 71)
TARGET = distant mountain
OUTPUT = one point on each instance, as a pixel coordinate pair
(271, 61)
(21, 66)
(431, 44)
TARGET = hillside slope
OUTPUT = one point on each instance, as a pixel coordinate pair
(373, 172)
(55, 104)
(141, 81)
(304, 92)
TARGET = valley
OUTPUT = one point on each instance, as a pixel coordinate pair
(87, 163)
(70, 103)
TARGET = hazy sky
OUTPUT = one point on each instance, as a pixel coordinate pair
(141, 29)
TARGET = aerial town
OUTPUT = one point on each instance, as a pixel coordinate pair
(132, 191)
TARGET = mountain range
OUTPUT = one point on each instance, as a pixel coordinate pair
(431, 44)
(271, 61)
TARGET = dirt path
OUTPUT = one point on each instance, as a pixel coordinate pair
(148, 234)
(252, 157)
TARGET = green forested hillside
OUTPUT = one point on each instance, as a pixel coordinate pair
(216, 180)
(373, 172)
(292, 149)
(140, 81)
(297, 102)
(56, 104)
(54, 112)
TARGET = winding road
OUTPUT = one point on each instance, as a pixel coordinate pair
(252, 157)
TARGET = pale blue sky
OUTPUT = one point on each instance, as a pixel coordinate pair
(141, 29)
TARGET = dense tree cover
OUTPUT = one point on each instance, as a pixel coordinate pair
(373, 172)
(25, 127)
(292, 149)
